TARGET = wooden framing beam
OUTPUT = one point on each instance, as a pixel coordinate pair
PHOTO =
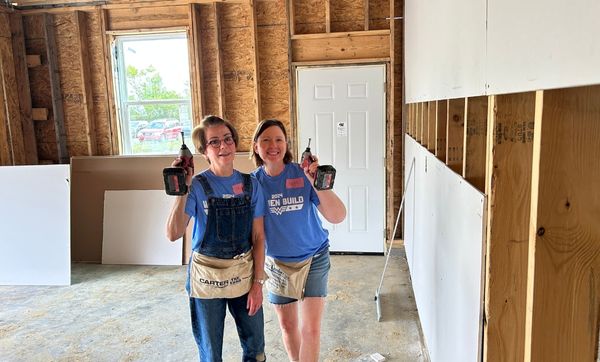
(12, 115)
(367, 15)
(256, 65)
(425, 124)
(327, 16)
(508, 186)
(475, 141)
(195, 44)
(291, 19)
(419, 121)
(55, 90)
(455, 134)
(86, 82)
(23, 89)
(431, 126)
(563, 299)
(109, 90)
(440, 129)
(338, 46)
(220, 77)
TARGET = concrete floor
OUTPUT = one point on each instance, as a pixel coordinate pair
(140, 313)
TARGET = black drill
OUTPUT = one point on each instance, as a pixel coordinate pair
(174, 177)
(325, 175)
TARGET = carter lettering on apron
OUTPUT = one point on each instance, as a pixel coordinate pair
(287, 279)
(221, 278)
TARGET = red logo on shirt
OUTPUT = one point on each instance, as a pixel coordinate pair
(294, 183)
(238, 188)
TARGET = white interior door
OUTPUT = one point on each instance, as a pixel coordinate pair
(342, 110)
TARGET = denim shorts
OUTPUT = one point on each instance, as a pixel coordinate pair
(316, 282)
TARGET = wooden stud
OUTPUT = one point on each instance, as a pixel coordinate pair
(23, 90)
(327, 16)
(425, 124)
(508, 186)
(217, 48)
(431, 126)
(39, 114)
(455, 134)
(109, 89)
(367, 15)
(563, 306)
(475, 141)
(8, 80)
(195, 43)
(33, 60)
(253, 29)
(55, 89)
(291, 20)
(440, 129)
(86, 82)
(419, 122)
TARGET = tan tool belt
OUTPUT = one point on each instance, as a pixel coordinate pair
(287, 278)
(212, 278)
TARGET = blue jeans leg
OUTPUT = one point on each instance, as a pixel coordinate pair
(208, 320)
(251, 329)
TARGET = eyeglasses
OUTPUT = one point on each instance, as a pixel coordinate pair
(216, 143)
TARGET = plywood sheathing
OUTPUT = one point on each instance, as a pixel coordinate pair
(347, 15)
(309, 16)
(379, 11)
(273, 59)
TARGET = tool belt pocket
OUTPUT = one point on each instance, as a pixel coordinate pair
(287, 279)
(212, 278)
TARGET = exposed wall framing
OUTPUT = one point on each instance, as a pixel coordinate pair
(534, 155)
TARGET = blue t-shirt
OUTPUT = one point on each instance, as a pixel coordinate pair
(225, 187)
(292, 225)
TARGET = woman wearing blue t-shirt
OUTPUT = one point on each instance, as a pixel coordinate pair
(297, 261)
(226, 268)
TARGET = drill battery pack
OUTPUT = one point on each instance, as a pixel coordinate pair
(174, 178)
(324, 177)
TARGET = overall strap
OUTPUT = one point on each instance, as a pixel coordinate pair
(247, 183)
(208, 191)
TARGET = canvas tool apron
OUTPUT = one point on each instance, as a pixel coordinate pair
(287, 279)
(223, 266)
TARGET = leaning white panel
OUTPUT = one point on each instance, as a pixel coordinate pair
(35, 233)
(135, 231)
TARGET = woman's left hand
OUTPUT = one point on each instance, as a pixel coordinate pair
(255, 299)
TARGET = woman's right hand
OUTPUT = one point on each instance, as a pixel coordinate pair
(189, 171)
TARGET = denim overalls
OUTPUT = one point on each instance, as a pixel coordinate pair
(228, 234)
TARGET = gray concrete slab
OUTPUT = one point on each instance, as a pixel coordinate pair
(140, 313)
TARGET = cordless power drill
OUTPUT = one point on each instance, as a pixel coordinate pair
(325, 175)
(174, 177)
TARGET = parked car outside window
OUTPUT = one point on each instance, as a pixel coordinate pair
(160, 130)
(135, 127)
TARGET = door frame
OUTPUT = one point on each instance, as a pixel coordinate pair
(388, 128)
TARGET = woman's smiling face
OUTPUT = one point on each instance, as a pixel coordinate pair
(220, 146)
(271, 145)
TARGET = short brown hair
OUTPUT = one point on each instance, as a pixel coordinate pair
(199, 132)
(262, 126)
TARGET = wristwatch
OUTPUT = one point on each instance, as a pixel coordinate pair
(260, 281)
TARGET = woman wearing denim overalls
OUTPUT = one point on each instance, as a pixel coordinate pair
(226, 267)
(297, 244)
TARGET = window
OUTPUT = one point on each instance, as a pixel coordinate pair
(152, 89)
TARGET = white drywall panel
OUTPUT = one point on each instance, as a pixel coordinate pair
(542, 44)
(444, 233)
(35, 232)
(445, 49)
(135, 229)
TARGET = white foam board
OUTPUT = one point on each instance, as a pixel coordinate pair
(134, 230)
(35, 245)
